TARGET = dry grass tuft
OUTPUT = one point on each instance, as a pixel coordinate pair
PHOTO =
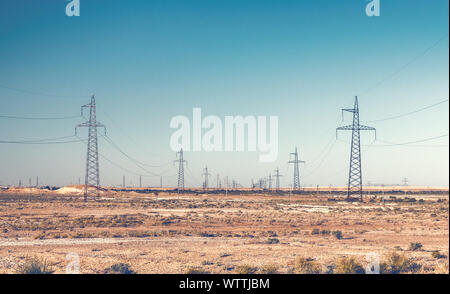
(35, 266)
(307, 266)
(349, 265)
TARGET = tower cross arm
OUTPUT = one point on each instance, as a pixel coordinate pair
(348, 109)
(343, 128)
(366, 128)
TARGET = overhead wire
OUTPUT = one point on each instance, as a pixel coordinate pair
(36, 93)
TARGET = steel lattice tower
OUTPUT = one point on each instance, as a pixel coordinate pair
(277, 178)
(181, 163)
(206, 175)
(296, 161)
(92, 179)
(355, 174)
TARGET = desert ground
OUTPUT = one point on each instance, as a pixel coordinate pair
(252, 232)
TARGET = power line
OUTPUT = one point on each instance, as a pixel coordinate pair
(39, 118)
(40, 141)
(409, 113)
(137, 163)
(116, 164)
(405, 65)
(40, 93)
(409, 143)
(128, 156)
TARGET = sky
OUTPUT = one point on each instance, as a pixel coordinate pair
(148, 61)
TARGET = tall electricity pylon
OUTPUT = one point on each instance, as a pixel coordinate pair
(277, 179)
(181, 163)
(206, 175)
(296, 161)
(92, 179)
(355, 174)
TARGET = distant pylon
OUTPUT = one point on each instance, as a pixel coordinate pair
(140, 181)
(277, 178)
(219, 184)
(92, 179)
(270, 180)
(355, 174)
(181, 163)
(206, 175)
(405, 182)
(296, 161)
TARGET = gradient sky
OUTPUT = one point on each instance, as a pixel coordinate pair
(147, 61)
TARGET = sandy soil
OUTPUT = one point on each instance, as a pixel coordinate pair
(166, 233)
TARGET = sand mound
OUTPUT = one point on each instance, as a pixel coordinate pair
(78, 189)
(75, 189)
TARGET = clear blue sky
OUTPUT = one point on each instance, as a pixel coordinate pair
(147, 61)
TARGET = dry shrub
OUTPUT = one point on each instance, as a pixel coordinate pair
(307, 266)
(398, 263)
(436, 254)
(120, 269)
(414, 246)
(349, 265)
(196, 271)
(246, 270)
(35, 266)
(269, 269)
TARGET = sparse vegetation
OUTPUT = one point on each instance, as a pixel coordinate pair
(166, 234)
(273, 241)
(307, 266)
(120, 268)
(337, 234)
(196, 271)
(35, 266)
(395, 263)
(246, 270)
(269, 269)
(415, 246)
(436, 254)
(348, 265)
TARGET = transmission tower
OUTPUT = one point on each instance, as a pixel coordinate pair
(206, 175)
(405, 182)
(270, 180)
(219, 185)
(92, 179)
(296, 161)
(355, 174)
(277, 178)
(181, 163)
